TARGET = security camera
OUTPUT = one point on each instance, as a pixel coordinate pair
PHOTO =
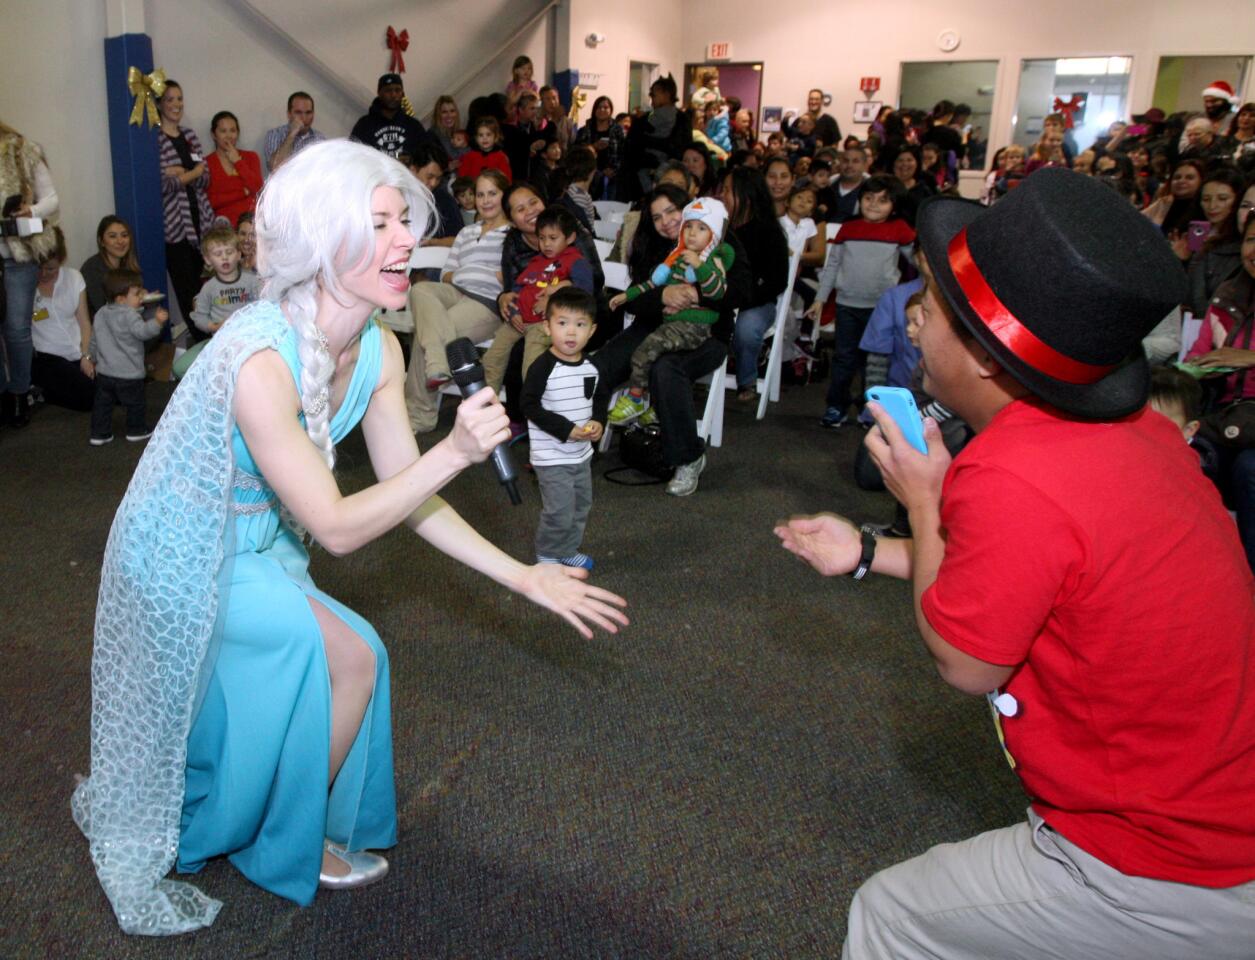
(595, 38)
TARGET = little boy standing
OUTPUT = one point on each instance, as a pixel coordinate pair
(862, 265)
(564, 399)
(231, 286)
(559, 264)
(117, 349)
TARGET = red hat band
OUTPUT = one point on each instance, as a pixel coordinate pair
(1013, 335)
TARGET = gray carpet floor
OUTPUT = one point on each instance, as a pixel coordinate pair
(715, 781)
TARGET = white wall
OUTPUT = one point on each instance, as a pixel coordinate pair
(645, 30)
(58, 100)
(227, 59)
(832, 45)
(52, 71)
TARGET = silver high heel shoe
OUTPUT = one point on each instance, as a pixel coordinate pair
(364, 868)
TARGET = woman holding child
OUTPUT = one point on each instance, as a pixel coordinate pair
(247, 715)
(673, 374)
(524, 206)
(462, 304)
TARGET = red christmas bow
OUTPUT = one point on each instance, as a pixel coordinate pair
(398, 44)
(1069, 108)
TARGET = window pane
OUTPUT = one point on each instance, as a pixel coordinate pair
(1099, 86)
(968, 82)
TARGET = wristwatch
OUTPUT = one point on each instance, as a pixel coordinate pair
(868, 536)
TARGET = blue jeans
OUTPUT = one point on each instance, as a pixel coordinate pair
(747, 342)
(20, 281)
(1242, 479)
(848, 359)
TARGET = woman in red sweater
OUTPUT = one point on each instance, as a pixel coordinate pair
(234, 175)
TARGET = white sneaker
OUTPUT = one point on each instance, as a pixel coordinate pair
(685, 480)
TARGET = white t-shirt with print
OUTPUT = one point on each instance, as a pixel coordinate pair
(55, 328)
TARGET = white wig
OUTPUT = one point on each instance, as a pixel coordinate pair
(314, 224)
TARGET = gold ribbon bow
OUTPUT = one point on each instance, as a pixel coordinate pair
(146, 88)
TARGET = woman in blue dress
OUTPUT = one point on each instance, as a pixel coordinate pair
(237, 709)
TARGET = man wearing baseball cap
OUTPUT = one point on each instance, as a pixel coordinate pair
(1055, 565)
(386, 126)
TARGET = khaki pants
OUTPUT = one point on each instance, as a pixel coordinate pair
(441, 313)
(1027, 892)
(535, 342)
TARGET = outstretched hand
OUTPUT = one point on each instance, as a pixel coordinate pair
(564, 591)
(829, 543)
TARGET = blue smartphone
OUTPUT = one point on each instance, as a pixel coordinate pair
(900, 405)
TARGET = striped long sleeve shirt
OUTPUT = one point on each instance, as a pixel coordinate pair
(176, 198)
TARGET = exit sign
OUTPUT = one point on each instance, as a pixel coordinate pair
(719, 51)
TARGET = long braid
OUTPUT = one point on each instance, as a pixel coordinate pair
(317, 370)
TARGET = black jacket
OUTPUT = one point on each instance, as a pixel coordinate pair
(767, 250)
(1209, 268)
(401, 134)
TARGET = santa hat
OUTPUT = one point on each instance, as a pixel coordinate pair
(1221, 90)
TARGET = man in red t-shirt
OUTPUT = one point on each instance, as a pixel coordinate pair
(1055, 566)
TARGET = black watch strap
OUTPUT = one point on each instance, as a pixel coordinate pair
(868, 536)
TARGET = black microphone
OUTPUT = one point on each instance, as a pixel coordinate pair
(468, 373)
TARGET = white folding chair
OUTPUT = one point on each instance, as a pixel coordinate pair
(1190, 326)
(710, 426)
(603, 249)
(768, 386)
(607, 208)
(429, 258)
(607, 229)
(616, 275)
(421, 258)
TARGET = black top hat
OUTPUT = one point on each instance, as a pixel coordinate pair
(1059, 281)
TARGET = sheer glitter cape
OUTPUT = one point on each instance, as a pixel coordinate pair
(155, 615)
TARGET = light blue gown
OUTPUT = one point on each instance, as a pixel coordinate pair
(258, 750)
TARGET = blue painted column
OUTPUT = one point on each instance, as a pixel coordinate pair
(564, 81)
(133, 150)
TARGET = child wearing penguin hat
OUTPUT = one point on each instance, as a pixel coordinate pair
(702, 258)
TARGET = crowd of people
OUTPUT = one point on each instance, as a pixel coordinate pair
(716, 216)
